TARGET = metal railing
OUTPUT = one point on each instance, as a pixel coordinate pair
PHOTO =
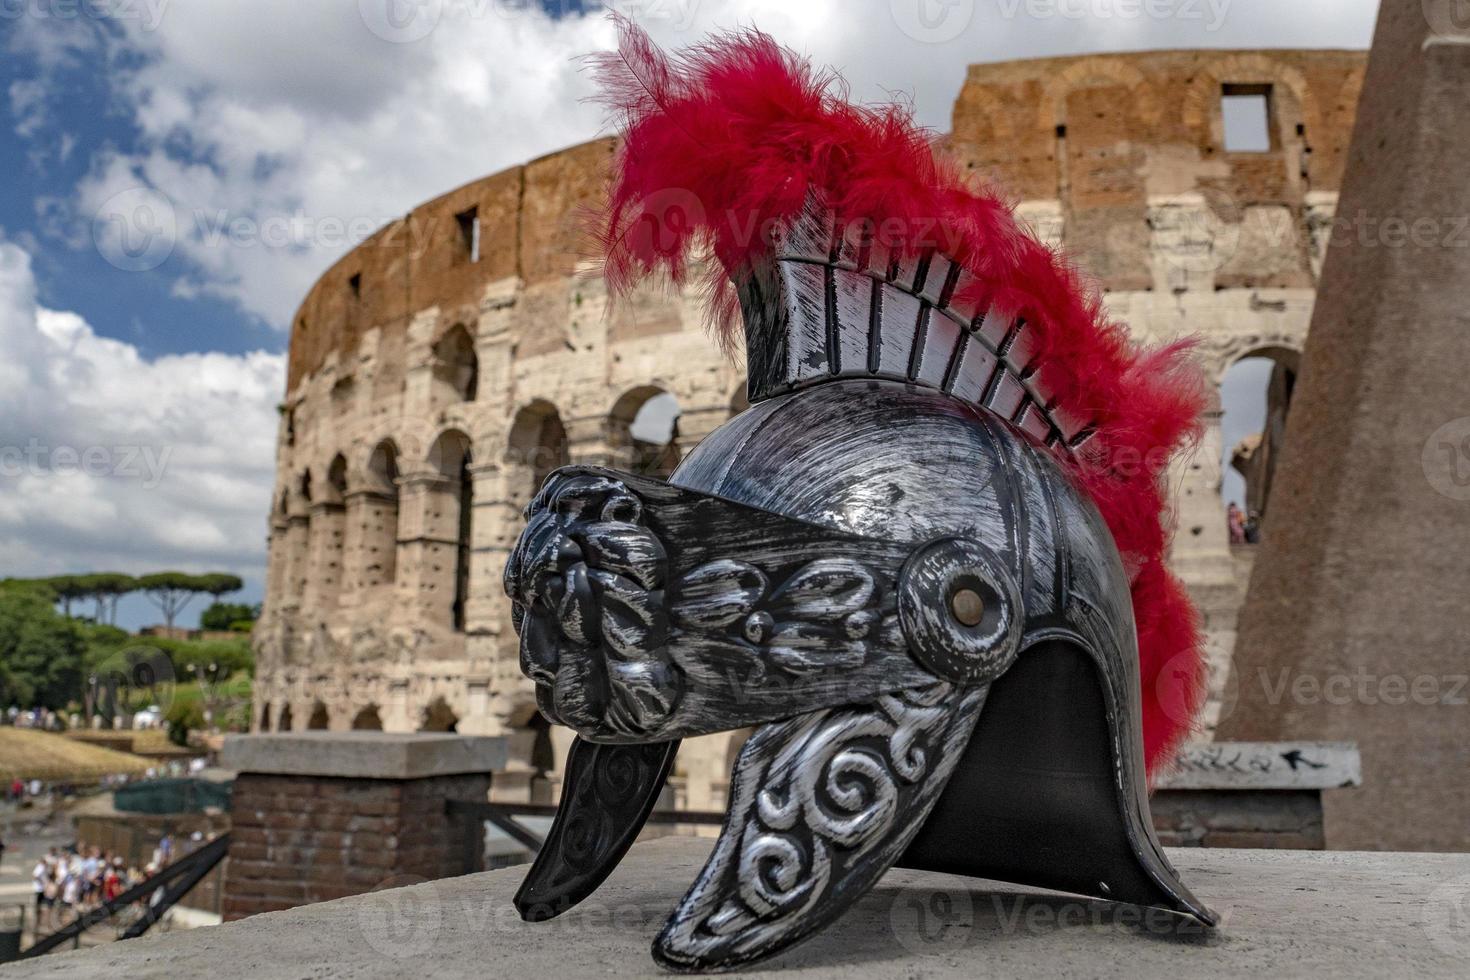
(502, 816)
(159, 894)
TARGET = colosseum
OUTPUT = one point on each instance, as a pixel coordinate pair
(441, 369)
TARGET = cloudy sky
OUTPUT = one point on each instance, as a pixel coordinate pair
(178, 172)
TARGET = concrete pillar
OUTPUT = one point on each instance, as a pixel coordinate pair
(1355, 626)
(319, 816)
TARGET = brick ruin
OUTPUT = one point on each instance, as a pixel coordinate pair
(443, 367)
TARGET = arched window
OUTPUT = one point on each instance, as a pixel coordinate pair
(265, 717)
(380, 517)
(456, 368)
(537, 446)
(451, 457)
(645, 424)
(367, 720)
(320, 720)
(285, 723)
(1255, 395)
(337, 478)
(439, 717)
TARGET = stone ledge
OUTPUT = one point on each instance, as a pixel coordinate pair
(364, 755)
(1285, 913)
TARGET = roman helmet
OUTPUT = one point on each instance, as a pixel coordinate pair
(925, 565)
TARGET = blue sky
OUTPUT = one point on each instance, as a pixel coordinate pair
(302, 126)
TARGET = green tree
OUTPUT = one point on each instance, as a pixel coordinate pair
(68, 589)
(220, 583)
(224, 615)
(183, 717)
(171, 592)
(41, 653)
(107, 589)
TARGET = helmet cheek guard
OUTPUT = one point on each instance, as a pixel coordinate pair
(892, 565)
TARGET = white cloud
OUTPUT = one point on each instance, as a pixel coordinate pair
(279, 109)
(109, 460)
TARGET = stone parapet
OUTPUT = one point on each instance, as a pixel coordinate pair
(319, 816)
(1284, 913)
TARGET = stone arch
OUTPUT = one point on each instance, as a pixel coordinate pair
(1052, 107)
(336, 485)
(450, 458)
(379, 516)
(643, 430)
(437, 716)
(1250, 460)
(536, 446)
(368, 719)
(455, 367)
(320, 720)
(285, 724)
(265, 717)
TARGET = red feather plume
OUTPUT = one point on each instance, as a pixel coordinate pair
(727, 140)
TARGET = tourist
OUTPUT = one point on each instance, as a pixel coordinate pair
(40, 878)
(1235, 520)
(71, 889)
(1253, 528)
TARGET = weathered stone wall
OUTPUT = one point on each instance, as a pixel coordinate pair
(1120, 158)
